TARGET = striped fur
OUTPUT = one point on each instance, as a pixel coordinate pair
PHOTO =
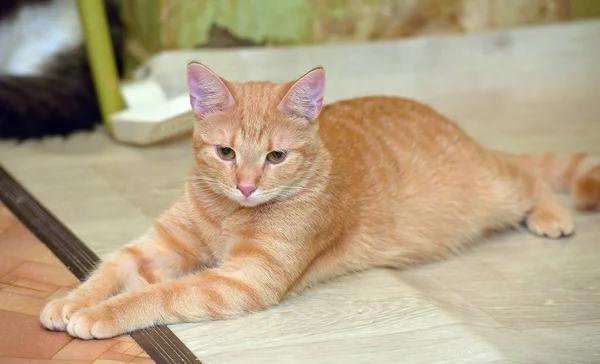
(373, 182)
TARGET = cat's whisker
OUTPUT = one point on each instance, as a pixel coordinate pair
(205, 182)
(299, 188)
(198, 178)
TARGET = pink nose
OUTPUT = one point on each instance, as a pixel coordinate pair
(246, 189)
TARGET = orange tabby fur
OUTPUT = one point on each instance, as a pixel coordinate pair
(373, 182)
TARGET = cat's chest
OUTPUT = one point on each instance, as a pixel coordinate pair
(36, 33)
(232, 230)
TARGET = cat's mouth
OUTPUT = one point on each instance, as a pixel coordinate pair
(249, 202)
(253, 200)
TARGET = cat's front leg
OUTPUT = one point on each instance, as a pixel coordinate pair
(168, 251)
(254, 277)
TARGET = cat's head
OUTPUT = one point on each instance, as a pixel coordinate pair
(255, 142)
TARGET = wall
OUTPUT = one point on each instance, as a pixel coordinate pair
(155, 25)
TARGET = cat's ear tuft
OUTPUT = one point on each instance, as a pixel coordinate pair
(208, 92)
(304, 99)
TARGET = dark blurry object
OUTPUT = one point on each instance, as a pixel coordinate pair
(220, 38)
(46, 87)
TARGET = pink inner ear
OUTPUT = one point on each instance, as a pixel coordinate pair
(208, 93)
(305, 97)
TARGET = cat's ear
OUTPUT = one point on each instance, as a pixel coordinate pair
(208, 92)
(304, 99)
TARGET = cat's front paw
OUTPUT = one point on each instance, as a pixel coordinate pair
(96, 322)
(56, 314)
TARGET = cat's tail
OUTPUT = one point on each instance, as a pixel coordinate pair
(577, 174)
(38, 106)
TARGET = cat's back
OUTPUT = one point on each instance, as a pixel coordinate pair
(381, 128)
(389, 150)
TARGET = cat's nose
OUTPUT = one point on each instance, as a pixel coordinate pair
(246, 189)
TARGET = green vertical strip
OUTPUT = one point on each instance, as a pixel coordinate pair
(101, 58)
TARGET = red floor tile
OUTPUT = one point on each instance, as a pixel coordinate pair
(27, 339)
(28, 283)
(121, 347)
(59, 293)
(22, 304)
(81, 350)
(42, 361)
(57, 276)
(30, 275)
(134, 350)
(23, 291)
(142, 361)
(111, 355)
(18, 242)
(125, 338)
(8, 263)
(7, 219)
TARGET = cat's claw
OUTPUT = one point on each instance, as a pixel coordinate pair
(52, 318)
(56, 314)
(96, 322)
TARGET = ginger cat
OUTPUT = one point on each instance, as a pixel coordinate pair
(285, 194)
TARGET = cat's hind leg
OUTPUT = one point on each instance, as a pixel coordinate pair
(577, 174)
(543, 215)
(547, 217)
(587, 190)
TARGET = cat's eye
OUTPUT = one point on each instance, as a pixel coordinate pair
(276, 156)
(226, 153)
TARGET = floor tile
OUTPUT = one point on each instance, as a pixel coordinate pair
(58, 276)
(121, 346)
(23, 291)
(40, 361)
(18, 242)
(142, 361)
(59, 293)
(125, 338)
(27, 339)
(7, 219)
(8, 263)
(84, 350)
(13, 302)
(28, 283)
(111, 355)
(135, 350)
